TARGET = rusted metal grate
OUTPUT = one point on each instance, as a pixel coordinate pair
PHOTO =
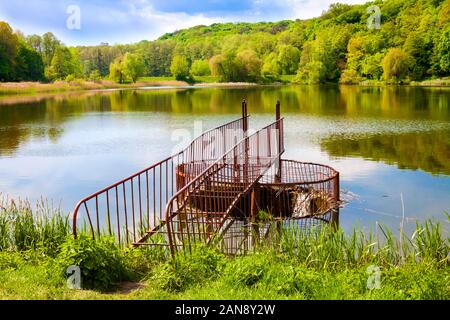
(130, 208)
(226, 187)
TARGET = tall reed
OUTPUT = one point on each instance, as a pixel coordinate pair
(330, 249)
(22, 228)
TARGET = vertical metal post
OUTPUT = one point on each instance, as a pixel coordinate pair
(278, 126)
(245, 129)
(334, 221)
(244, 116)
(254, 210)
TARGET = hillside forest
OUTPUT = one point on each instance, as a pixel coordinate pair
(412, 43)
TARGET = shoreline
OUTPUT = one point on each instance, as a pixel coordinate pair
(11, 89)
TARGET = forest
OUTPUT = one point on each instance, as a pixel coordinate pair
(412, 43)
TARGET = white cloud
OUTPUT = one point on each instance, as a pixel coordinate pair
(305, 9)
(134, 20)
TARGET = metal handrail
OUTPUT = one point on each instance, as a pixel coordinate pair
(228, 178)
(156, 172)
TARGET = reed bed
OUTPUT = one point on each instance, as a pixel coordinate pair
(23, 227)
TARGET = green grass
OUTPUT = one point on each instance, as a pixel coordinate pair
(288, 78)
(325, 265)
(206, 79)
(23, 228)
(156, 79)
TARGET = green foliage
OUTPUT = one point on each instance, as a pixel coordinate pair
(202, 264)
(29, 64)
(444, 51)
(116, 71)
(101, 262)
(8, 50)
(271, 68)
(49, 46)
(313, 72)
(180, 68)
(127, 68)
(288, 58)
(248, 66)
(157, 56)
(243, 66)
(350, 76)
(371, 66)
(222, 66)
(396, 64)
(95, 76)
(318, 50)
(246, 271)
(318, 264)
(65, 62)
(200, 68)
(132, 66)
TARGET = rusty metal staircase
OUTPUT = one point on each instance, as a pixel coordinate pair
(190, 197)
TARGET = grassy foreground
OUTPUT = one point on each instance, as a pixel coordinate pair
(36, 250)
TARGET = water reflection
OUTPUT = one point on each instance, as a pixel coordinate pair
(66, 146)
(428, 151)
(23, 118)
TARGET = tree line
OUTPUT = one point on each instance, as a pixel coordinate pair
(412, 43)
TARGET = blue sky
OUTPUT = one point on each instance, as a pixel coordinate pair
(127, 21)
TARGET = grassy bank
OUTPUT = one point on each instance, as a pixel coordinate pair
(30, 88)
(36, 251)
(11, 88)
(27, 88)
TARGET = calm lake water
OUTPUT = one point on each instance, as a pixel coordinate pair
(386, 142)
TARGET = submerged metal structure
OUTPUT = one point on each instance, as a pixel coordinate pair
(227, 186)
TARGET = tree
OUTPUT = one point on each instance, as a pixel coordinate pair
(132, 66)
(9, 45)
(180, 68)
(420, 48)
(355, 53)
(49, 46)
(371, 66)
(443, 49)
(35, 42)
(396, 64)
(223, 66)
(248, 66)
(288, 59)
(313, 73)
(271, 68)
(157, 56)
(200, 68)
(64, 63)
(95, 76)
(115, 70)
(29, 64)
(349, 76)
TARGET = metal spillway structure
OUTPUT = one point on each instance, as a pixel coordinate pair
(227, 186)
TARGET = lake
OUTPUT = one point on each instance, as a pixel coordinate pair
(388, 143)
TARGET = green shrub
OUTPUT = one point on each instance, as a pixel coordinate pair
(10, 260)
(101, 261)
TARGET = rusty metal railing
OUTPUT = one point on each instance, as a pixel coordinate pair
(198, 211)
(132, 208)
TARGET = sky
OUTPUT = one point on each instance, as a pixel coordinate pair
(91, 22)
